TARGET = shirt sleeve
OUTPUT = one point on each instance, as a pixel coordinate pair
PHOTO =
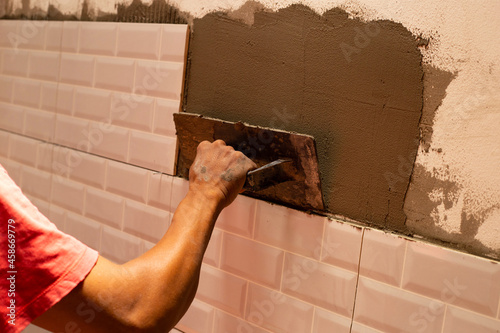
(39, 264)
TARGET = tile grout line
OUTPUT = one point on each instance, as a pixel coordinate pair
(357, 279)
(444, 317)
(404, 265)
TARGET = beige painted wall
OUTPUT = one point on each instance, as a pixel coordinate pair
(455, 196)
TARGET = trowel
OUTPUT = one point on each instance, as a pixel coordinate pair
(287, 163)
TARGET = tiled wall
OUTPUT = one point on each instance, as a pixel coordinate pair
(86, 130)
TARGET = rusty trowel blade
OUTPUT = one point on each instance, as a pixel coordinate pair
(302, 188)
(266, 176)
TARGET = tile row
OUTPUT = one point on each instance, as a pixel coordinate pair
(132, 40)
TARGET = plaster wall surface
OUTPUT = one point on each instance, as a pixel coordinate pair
(454, 191)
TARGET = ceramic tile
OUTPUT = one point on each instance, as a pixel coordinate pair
(276, 312)
(289, 229)
(12, 118)
(222, 290)
(23, 150)
(108, 141)
(128, 181)
(32, 33)
(14, 169)
(39, 124)
(48, 96)
(63, 161)
(239, 217)
(84, 229)
(225, 323)
(252, 260)
(65, 99)
(68, 194)
(160, 190)
(198, 318)
(164, 116)
(36, 182)
(44, 66)
(328, 322)
(6, 84)
(139, 40)
(118, 246)
(86, 168)
(131, 111)
(174, 42)
(180, 188)
(212, 254)
(41, 205)
(92, 104)
(147, 222)
(391, 309)
(8, 30)
(382, 257)
(27, 92)
(104, 207)
(359, 328)
(45, 156)
(15, 62)
(319, 284)
(98, 38)
(77, 69)
(4, 143)
(341, 245)
(70, 36)
(115, 74)
(462, 321)
(152, 151)
(452, 277)
(71, 132)
(160, 79)
(53, 35)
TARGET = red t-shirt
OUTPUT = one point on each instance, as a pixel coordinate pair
(39, 265)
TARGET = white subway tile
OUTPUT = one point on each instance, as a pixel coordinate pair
(39, 124)
(86, 168)
(160, 79)
(115, 74)
(360, 328)
(23, 150)
(12, 118)
(180, 187)
(198, 318)
(119, 246)
(289, 229)
(132, 111)
(36, 182)
(391, 309)
(72, 132)
(49, 96)
(53, 35)
(461, 321)
(226, 323)
(382, 257)
(15, 62)
(92, 104)
(68, 194)
(239, 216)
(139, 40)
(328, 322)
(146, 222)
(341, 245)
(252, 260)
(174, 42)
(164, 116)
(320, 284)
(27, 92)
(222, 290)
(77, 69)
(65, 99)
(9, 34)
(32, 33)
(276, 312)
(212, 254)
(70, 36)
(108, 140)
(98, 38)
(84, 229)
(57, 215)
(104, 207)
(45, 156)
(127, 180)
(4, 143)
(152, 151)
(452, 277)
(160, 190)
(44, 66)
(6, 88)
(14, 169)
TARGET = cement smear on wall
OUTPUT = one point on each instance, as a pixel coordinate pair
(355, 86)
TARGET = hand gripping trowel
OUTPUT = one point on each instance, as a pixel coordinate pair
(287, 170)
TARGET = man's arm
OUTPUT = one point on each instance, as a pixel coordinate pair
(152, 293)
